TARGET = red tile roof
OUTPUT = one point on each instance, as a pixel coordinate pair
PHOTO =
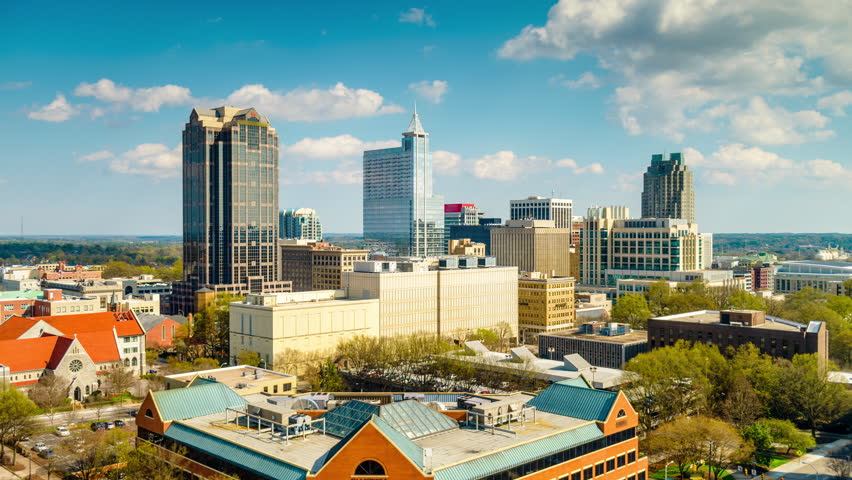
(124, 322)
(33, 353)
(25, 383)
(15, 327)
(100, 346)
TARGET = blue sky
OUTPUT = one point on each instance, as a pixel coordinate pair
(520, 98)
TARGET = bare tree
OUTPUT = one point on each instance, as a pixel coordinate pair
(50, 393)
(841, 466)
(120, 381)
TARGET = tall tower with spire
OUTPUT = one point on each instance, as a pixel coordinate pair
(402, 216)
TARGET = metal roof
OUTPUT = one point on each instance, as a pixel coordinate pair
(348, 417)
(514, 456)
(228, 452)
(576, 382)
(196, 401)
(577, 402)
(406, 446)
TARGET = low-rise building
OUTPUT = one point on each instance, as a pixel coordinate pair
(417, 298)
(567, 431)
(243, 379)
(465, 247)
(53, 302)
(77, 348)
(545, 304)
(62, 271)
(533, 246)
(790, 277)
(710, 279)
(608, 345)
(731, 328)
(147, 303)
(316, 265)
(592, 307)
(18, 303)
(161, 330)
(272, 323)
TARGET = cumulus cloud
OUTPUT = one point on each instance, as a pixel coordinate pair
(336, 103)
(15, 85)
(761, 124)
(595, 167)
(347, 172)
(836, 104)
(678, 60)
(627, 182)
(587, 79)
(59, 110)
(445, 163)
(733, 162)
(139, 99)
(433, 91)
(154, 160)
(417, 16)
(335, 147)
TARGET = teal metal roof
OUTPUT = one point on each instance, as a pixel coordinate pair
(28, 294)
(577, 402)
(199, 380)
(414, 420)
(224, 450)
(182, 403)
(406, 446)
(348, 417)
(576, 382)
(514, 456)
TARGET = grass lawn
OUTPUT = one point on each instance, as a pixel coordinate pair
(700, 473)
(777, 461)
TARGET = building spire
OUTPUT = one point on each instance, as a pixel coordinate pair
(415, 127)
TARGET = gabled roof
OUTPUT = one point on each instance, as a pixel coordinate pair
(348, 417)
(406, 446)
(576, 382)
(519, 455)
(124, 322)
(100, 346)
(33, 353)
(182, 403)
(577, 402)
(150, 321)
(13, 328)
(410, 418)
(251, 460)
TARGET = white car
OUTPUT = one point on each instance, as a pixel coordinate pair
(62, 432)
(39, 447)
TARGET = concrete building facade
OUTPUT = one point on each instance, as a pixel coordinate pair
(273, 323)
(460, 214)
(533, 246)
(317, 265)
(602, 344)
(559, 210)
(595, 242)
(790, 277)
(465, 247)
(415, 298)
(545, 304)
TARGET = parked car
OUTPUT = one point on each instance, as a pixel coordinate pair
(39, 447)
(152, 371)
(133, 413)
(62, 432)
(109, 425)
(119, 423)
(97, 426)
(48, 453)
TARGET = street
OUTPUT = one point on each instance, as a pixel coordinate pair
(813, 465)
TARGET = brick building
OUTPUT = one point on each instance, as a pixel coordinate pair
(608, 345)
(567, 431)
(731, 328)
(160, 330)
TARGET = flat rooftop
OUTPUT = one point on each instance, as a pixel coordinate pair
(631, 337)
(709, 317)
(231, 376)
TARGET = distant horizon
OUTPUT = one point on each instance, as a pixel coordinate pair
(341, 234)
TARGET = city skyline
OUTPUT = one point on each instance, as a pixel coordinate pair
(532, 100)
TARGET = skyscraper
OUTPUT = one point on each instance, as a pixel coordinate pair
(460, 214)
(401, 214)
(668, 189)
(300, 223)
(230, 204)
(560, 210)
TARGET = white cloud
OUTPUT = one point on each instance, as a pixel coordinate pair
(417, 16)
(828, 170)
(763, 125)
(59, 110)
(433, 91)
(587, 79)
(140, 99)
(504, 165)
(836, 104)
(717, 177)
(445, 163)
(336, 103)
(347, 172)
(97, 156)
(3, 180)
(595, 167)
(334, 147)
(627, 182)
(677, 60)
(15, 85)
(149, 159)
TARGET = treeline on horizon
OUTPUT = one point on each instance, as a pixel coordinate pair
(789, 246)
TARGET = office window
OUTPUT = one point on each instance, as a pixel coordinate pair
(588, 473)
(631, 456)
(622, 461)
(610, 465)
(599, 469)
(575, 476)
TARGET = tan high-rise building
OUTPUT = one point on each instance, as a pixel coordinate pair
(466, 247)
(668, 189)
(419, 298)
(595, 242)
(545, 305)
(533, 246)
(316, 265)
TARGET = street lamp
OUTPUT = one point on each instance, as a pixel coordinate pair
(666, 470)
(812, 466)
(593, 370)
(550, 351)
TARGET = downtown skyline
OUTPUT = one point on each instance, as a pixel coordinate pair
(512, 110)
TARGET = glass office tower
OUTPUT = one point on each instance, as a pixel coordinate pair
(668, 189)
(402, 217)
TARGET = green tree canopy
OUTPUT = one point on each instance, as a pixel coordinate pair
(633, 309)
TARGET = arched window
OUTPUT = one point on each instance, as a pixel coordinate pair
(621, 413)
(149, 413)
(134, 362)
(87, 390)
(126, 362)
(370, 467)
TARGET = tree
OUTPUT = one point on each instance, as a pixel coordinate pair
(248, 357)
(679, 441)
(119, 381)
(841, 466)
(89, 453)
(658, 297)
(741, 405)
(633, 309)
(847, 287)
(146, 463)
(786, 433)
(761, 437)
(804, 392)
(329, 378)
(745, 300)
(725, 446)
(50, 393)
(16, 417)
